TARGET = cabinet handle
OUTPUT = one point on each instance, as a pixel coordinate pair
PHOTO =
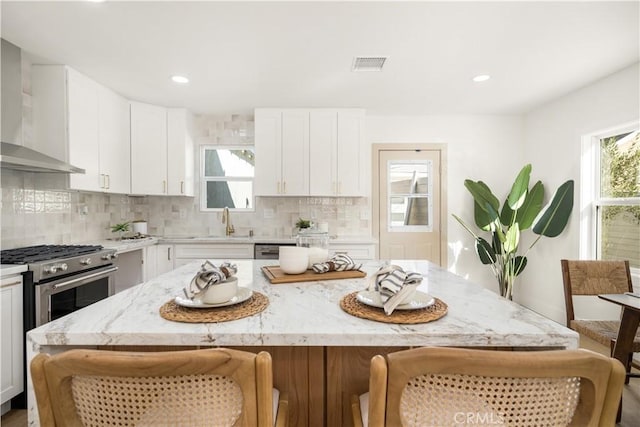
(12, 283)
(339, 187)
(169, 254)
(284, 187)
(107, 184)
(334, 187)
(181, 187)
(101, 180)
(164, 186)
(278, 190)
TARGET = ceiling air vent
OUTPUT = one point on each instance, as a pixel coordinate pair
(368, 63)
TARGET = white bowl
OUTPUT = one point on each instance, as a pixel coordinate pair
(293, 259)
(220, 292)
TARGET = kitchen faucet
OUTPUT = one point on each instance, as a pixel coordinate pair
(229, 230)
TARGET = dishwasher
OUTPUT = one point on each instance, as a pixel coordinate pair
(268, 250)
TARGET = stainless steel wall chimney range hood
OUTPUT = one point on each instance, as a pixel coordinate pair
(12, 154)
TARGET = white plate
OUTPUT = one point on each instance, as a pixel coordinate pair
(242, 295)
(419, 300)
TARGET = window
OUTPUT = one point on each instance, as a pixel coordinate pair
(611, 177)
(226, 177)
(409, 192)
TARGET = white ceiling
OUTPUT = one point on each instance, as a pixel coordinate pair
(242, 55)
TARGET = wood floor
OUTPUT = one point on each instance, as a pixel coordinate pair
(630, 398)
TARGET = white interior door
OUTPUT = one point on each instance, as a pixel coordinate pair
(409, 222)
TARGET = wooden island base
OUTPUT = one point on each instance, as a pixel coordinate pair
(319, 380)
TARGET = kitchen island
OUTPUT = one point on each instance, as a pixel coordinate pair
(320, 353)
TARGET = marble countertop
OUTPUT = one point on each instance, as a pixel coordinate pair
(128, 244)
(273, 240)
(10, 269)
(133, 244)
(306, 314)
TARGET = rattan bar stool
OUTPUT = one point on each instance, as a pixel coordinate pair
(593, 278)
(453, 386)
(209, 387)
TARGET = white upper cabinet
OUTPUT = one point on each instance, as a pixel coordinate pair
(317, 152)
(268, 149)
(353, 156)
(115, 146)
(82, 122)
(148, 149)
(84, 145)
(282, 152)
(295, 153)
(162, 159)
(323, 145)
(180, 167)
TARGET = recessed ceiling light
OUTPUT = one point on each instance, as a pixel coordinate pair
(481, 78)
(180, 79)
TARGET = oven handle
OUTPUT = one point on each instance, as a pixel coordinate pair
(68, 283)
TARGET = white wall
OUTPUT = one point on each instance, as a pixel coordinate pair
(552, 140)
(487, 148)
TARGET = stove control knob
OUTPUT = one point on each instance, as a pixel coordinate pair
(114, 256)
(63, 266)
(50, 269)
(105, 257)
(85, 261)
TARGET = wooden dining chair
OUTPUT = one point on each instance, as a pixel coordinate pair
(593, 278)
(208, 387)
(452, 386)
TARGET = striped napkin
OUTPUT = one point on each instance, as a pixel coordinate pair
(209, 275)
(394, 285)
(339, 262)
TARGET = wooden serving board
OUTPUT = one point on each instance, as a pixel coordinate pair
(275, 275)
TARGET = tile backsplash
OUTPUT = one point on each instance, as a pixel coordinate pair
(38, 209)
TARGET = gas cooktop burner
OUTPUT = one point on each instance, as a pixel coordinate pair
(39, 253)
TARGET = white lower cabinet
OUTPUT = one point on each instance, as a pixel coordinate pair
(357, 251)
(11, 336)
(164, 259)
(186, 253)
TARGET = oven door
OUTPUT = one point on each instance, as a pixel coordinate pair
(63, 296)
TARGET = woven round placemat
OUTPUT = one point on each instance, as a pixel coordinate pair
(254, 305)
(351, 305)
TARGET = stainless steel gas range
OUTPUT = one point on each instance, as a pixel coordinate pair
(62, 278)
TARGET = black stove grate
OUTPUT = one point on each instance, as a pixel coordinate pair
(44, 253)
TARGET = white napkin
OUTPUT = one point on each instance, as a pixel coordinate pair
(209, 275)
(394, 284)
(338, 262)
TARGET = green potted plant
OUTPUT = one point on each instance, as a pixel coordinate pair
(120, 228)
(523, 209)
(302, 224)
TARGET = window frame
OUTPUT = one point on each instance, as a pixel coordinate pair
(428, 195)
(590, 199)
(204, 179)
